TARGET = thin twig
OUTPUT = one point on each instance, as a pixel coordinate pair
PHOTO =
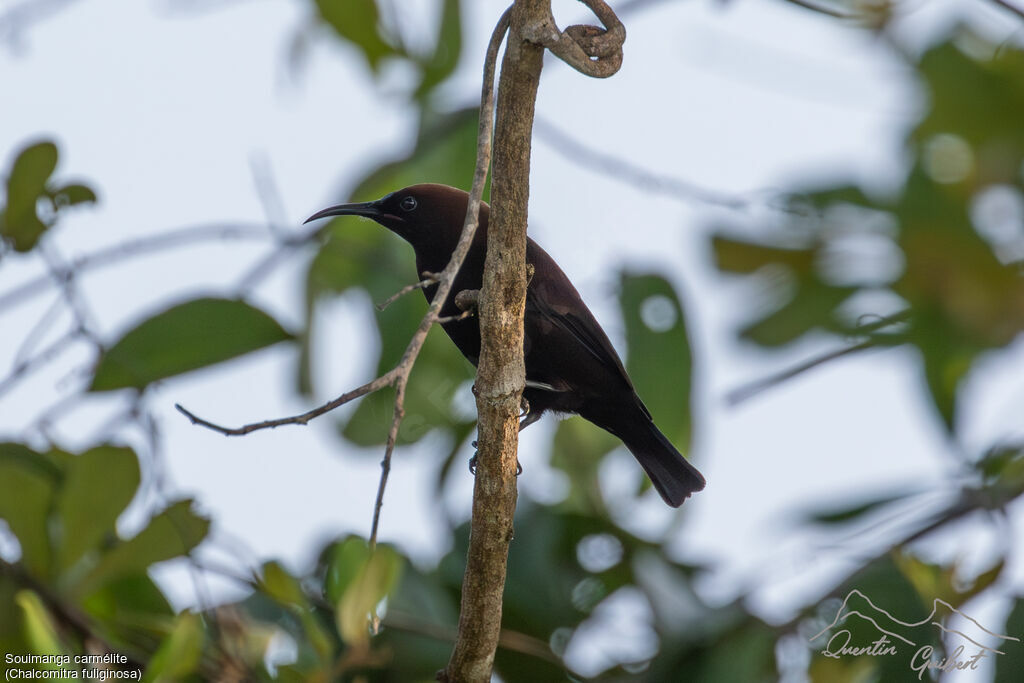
(28, 365)
(823, 9)
(68, 614)
(514, 641)
(387, 379)
(428, 280)
(969, 501)
(1011, 7)
(64, 278)
(456, 318)
(447, 277)
(111, 255)
(18, 18)
(628, 172)
(747, 391)
(282, 249)
(38, 331)
(399, 375)
(268, 193)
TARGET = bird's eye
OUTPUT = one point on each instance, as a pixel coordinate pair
(408, 203)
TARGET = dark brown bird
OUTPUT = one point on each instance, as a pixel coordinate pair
(571, 367)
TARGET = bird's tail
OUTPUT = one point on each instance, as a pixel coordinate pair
(672, 475)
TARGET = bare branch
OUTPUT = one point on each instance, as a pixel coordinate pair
(456, 318)
(628, 172)
(64, 278)
(268, 192)
(514, 641)
(284, 248)
(38, 330)
(126, 250)
(19, 18)
(590, 50)
(399, 375)
(501, 373)
(1011, 7)
(428, 280)
(27, 365)
(823, 9)
(384, 380)
(747, 391)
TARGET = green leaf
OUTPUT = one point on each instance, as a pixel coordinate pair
(180, 652)
(133, 599)
(844, 513)
(170, 534)
(963, 299)
(447, 48)
(827, 197)
(358, 22)
(979, 101)
(881, 585)
(26, 183)
(813, 306)
(347, 560)
(945, 582)
(98, 486)
(373, 579)
(286, 590)
(12, 635)
(1009, 665)
(185, 337)
(660, 360)
(72, 194)
(745, 652)
(27, 486)
(39, 627)
(279, 584)
(578, 449)
(742, 257)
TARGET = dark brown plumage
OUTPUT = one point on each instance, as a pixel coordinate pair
(571, 366)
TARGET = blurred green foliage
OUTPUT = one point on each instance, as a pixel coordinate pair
(81, 585)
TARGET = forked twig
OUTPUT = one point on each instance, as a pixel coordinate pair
(428, 280)
(398, 376)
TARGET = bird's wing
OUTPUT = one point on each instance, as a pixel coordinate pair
(584, 330)
(581, 332)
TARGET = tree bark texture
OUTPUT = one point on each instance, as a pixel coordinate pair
(501, 373)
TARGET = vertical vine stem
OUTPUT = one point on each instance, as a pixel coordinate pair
(501, 373)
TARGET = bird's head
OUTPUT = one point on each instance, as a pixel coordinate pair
(427, 214)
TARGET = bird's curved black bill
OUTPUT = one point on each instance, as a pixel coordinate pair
(365, 209)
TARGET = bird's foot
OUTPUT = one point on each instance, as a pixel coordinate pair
(524, 407)
(473, 461)
(467, 300)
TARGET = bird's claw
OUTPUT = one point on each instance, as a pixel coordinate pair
(524, 407)
(473, 461)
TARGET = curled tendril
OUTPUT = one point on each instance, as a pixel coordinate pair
(591, 50)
